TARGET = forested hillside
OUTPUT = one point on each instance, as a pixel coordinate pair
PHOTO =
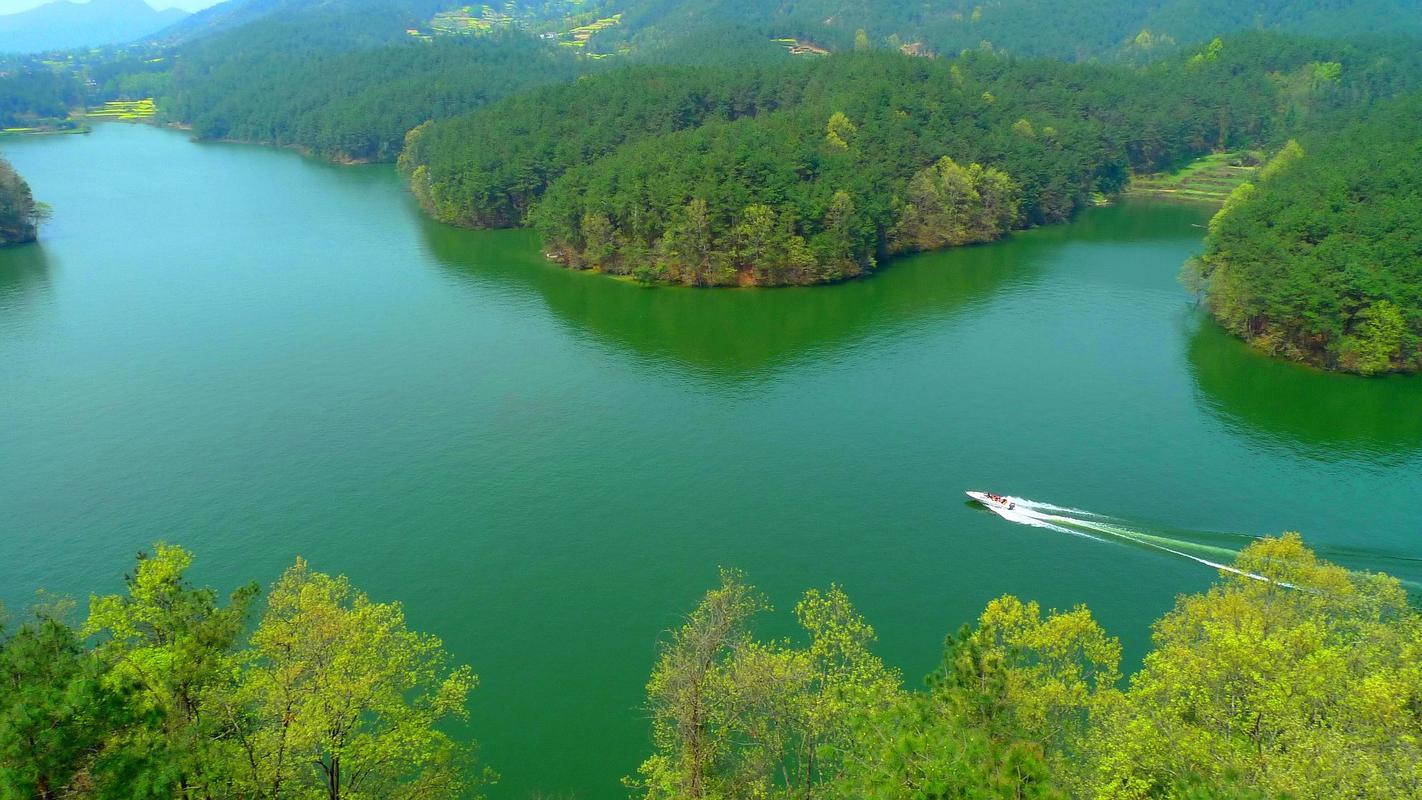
(339, 87)
(811, 173)
(19, 214)
(374, 19)
(1320, 260)
(347, 80)
(1290, 677)
(1068, 30)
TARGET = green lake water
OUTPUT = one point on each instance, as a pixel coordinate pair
(258, 355)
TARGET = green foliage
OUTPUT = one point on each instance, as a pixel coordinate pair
(173, 642)
(1380, 338)
(733, 717)
(1319, 261)
(839, 132)
(1290, 678)
(953, 740)
(338, 699)
(58, 710)
(155, 697)
(30, 96)
(1300, 682)
(948, 205)
(1290, 153)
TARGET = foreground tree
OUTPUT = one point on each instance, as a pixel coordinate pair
(174, 643)
(955, 740)
(1297, 679)
(338, 699)
(56, 713)
(733, 717)
(690, 718)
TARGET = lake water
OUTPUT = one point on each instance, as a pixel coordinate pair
(258, 355)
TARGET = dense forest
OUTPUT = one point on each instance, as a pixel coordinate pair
(30, 96)
(814, 172)
(1320, 259)
(1290, 677)
(20, 215)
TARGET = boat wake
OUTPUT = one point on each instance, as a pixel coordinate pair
(1211, 549)
(1079, 522)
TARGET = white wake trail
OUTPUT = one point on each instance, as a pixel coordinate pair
(1025, 516)
(1056, 518)
(1050, 508)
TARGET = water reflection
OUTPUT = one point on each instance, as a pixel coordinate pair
(740, 333)
(24, 286)
(1321, 415)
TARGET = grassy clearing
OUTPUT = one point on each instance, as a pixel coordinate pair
(1205, 180)
(801, 47)
(128, 110)
(45, 127)
(470, 20)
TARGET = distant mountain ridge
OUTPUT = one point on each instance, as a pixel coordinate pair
(233, 14)
(1073, 30)
(63, 24)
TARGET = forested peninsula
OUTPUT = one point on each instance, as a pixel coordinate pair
(1320, 259)
(20, 215)
(810, 173)
(1290, 677)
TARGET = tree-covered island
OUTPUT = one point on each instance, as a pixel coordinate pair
(809, 173)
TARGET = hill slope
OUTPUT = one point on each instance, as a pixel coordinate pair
(1320, 260)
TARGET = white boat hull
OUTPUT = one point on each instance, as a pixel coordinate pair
(992, 501)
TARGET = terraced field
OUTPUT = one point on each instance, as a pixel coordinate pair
(1206, 180)
(566, 24)
(124, 110)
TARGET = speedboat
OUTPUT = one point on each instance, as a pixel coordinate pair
(993, 501)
